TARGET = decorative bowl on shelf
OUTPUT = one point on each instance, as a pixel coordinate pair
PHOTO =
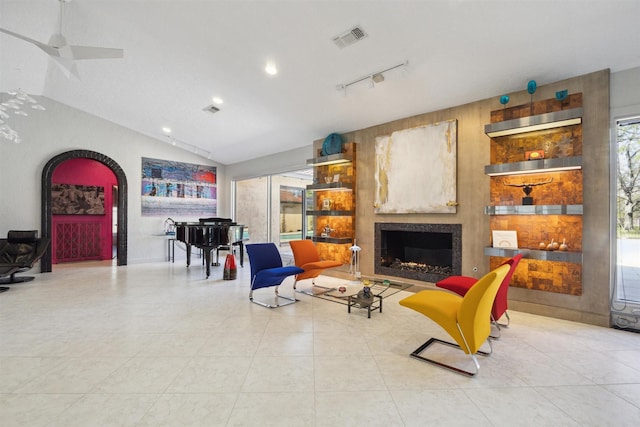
(332, 144)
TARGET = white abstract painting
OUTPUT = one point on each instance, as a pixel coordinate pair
(416, 170)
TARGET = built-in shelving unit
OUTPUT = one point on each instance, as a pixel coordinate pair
(333, 208)
(553, 130)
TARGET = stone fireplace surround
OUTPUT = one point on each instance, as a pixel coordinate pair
(425, 252)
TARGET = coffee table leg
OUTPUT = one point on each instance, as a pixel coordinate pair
(349, 305)
(380, 303)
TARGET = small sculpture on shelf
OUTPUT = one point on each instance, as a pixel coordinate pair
(527, 188)
(504, 100)
(563, 246)
(561, 95)
(554, 246)
(532, 86)
(326, 231)
(327, 204)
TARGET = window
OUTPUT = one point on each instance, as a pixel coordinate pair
(626, 218)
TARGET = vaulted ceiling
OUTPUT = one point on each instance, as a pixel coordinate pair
(180, 54)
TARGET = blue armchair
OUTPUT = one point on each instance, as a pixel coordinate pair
(267, 271)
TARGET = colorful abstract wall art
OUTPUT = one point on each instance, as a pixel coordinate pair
(178, 189)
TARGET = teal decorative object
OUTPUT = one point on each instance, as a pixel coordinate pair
(332, 144)
(562, 95)
(504, 100)
(531, 88)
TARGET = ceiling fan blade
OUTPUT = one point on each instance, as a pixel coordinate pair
(90, 52)
(53, 51)
(67, 66)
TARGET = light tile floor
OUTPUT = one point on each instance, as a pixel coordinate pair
(158, 345)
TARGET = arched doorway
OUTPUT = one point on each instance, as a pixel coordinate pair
(47, 174)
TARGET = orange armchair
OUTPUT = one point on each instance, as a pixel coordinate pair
(465, 319)
(305, 256)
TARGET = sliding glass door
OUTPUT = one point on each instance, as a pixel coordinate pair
(272, 207)
(626, 227)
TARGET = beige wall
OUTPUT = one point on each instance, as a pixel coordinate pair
(473, 195)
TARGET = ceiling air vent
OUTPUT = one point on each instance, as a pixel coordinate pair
(350, 37)
(211, 109)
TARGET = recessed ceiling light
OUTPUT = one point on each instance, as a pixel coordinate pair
(217, 100)
(166, 130)
(271, 68)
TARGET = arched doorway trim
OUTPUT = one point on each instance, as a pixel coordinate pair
(47, 174)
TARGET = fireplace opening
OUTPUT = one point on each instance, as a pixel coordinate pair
(426, 252)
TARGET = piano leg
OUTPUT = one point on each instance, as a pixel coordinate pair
(188, 254)
(207, 260)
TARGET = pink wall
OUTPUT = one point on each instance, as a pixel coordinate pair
(87, 172)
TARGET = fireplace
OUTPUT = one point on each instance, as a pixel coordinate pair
(426, 252)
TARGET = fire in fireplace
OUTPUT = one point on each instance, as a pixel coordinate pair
(426, 252)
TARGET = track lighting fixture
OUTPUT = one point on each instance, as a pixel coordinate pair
(189, 147)
(373, 78)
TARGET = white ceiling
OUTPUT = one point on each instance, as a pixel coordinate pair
(178, 54)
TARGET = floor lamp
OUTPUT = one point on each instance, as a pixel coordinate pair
(354, 267)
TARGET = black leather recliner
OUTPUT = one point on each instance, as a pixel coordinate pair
(19, 252)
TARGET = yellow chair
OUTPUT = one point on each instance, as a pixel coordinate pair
(466, 319)
(306, 256)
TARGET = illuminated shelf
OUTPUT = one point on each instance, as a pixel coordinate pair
(330, 213)
(332, 159)
(339, 240)
(545, 121)
(558, 256)
(534, 210)
(535, 166)
(330, 186)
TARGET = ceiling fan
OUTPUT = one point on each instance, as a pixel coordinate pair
(58, 48)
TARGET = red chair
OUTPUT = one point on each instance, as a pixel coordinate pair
(306, 256)
(461, 284)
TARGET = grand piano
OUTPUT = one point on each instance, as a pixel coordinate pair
(209, 234)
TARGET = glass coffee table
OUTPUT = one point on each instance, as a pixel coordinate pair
(358, 297)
